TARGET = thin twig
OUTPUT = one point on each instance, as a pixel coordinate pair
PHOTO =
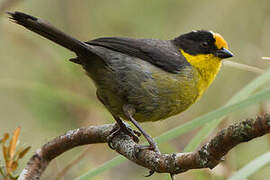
(208, 156)
(82, 136)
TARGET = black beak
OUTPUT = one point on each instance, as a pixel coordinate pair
(223, 53)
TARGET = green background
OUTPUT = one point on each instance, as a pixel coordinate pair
(45, 94)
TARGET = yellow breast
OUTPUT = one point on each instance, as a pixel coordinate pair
(207, 66)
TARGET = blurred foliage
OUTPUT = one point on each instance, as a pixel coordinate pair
(11, 155)
(47, 95)
(251, 167)
(213, 118)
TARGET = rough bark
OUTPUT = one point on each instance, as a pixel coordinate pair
(208, 156)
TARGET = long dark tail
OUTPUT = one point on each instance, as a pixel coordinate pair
(46, 30)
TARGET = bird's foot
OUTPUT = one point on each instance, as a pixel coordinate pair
(152, 146)
(129, 111)
(172, 176)
(134, 134)
(151, 172)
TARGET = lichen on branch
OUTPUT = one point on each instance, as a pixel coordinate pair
(208, 156)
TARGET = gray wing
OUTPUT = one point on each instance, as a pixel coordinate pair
(158, 52)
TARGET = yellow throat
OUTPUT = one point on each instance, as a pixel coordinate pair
(207, 65)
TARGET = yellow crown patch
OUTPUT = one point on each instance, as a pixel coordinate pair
(220, 41)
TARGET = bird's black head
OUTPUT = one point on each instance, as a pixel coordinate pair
(203, 42)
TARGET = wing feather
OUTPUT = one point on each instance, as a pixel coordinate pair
(158, 52)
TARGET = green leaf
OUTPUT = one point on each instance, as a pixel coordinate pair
(104, 167)
(251, 167)
(197, 122)
(220, 112)
(2, 172)
(209, 128)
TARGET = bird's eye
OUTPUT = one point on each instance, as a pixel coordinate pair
(204, 44)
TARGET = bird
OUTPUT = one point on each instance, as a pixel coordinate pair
(141, 80)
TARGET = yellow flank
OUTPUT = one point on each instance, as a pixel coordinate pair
(220, 41)
(208, 65)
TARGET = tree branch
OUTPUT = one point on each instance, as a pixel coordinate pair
(208, 156)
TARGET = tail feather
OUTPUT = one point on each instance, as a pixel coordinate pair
(48, 31)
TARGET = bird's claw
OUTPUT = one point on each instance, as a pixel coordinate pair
(152, 147)
(172, 176)
(151, 172)
(127, 130)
